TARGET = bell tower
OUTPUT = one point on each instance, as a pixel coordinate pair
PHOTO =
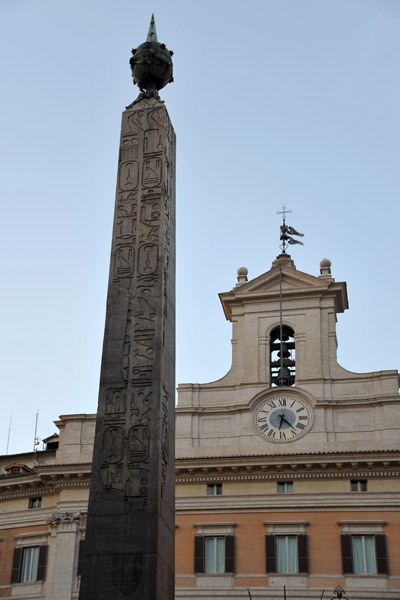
(284, 359)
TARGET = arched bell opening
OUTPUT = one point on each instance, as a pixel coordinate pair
(282, 357)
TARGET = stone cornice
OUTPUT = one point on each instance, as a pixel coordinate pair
(45, 479)
(344, 401)
(370, 501)
(319, 466)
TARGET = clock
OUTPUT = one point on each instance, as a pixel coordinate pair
(283, 419)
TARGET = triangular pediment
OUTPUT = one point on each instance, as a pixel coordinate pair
(293, 282)
(270, 281)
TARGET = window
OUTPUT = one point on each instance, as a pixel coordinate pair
(214, 489)
(35, 502)
(214, 554)
(17, 469)
(286, 553)
(29, 564)
(285, 487)
(364, 554)
(358, 485)
(30, 561)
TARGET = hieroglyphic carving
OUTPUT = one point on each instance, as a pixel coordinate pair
(140, 405)
(164, 436)
(152, 141)
(123, 265)
(157, 118)
(149, 220)
(126, 572)
(133, 445)
(116, 403)
(148, 259)
(138, 443)
(152, 171)
(129, 175)
(112, 476)
(137, 120)
(136, 489)
(129, 147)
(113, 444)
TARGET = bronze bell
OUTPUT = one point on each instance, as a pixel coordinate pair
(284, 377)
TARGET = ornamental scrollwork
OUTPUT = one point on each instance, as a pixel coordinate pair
(63, 517)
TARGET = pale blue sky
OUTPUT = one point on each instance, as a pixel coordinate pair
(274, 101)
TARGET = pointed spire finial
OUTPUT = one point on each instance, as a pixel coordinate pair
(152, 35)
(151, 66)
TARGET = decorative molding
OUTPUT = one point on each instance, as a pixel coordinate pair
(286, 527)
(31, 534)
(59, 518)
(37, 538)
(362, 527)
(278, 475)
(215, 528)
(245, 503)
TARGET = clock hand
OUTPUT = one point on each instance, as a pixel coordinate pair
(286, 421)
(282, 417)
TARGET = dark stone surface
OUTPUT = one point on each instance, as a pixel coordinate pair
(129, 545)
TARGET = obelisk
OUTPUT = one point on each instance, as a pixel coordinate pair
(129, 545)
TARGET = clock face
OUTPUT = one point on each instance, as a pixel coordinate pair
(283, 419)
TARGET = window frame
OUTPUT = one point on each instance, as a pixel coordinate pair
(358, 484)
(217, 568)
(286, 558)
(373, 529)
(214, 489)
(363, 558)
(214, 530)
(281, 529)
(33, 501)
(19, 564)
(286, 485)
(29, 564)
(28, 540)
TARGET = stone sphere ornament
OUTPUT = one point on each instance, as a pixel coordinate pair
(151, 66)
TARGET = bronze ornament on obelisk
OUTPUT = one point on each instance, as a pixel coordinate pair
(128, 552)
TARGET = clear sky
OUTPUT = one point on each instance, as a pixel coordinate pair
(274, 102)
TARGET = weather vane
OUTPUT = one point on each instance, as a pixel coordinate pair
(287, 232)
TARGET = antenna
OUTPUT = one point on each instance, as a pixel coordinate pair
(36, 439)
(9, 430)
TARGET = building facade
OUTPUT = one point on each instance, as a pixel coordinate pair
(287, 468)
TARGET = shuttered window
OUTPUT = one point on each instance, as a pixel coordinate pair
(363, 554)
(29, 564)
(214, 554)
(286, 553)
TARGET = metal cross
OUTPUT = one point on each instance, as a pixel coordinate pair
(283, 212)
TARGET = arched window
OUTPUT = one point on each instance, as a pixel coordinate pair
(282, 357)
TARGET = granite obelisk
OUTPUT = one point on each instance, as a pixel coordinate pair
(129, 545)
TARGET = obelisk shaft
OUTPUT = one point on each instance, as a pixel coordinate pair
(129, 545)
